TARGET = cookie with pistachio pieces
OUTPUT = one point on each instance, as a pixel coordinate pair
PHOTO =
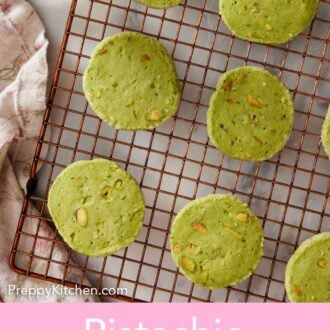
(131, 82)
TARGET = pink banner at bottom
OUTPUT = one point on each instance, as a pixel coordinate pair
(165, 316)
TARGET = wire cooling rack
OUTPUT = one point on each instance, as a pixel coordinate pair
(176, 163)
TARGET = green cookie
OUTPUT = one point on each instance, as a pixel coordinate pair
(160, 4)
(97, 207)
(307, 276)
(325, 135)
(131, 82)
(268, 21)
(216, 241)
(250, 115)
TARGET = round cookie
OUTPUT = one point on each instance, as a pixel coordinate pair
(131, 82)
(268, 21)
(307, 276)
(160, 4)
(250, 115)
(216, 241)
(325, 135)
(97, 207)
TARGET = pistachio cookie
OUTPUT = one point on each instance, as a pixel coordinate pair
(97, 207)
(131, 82)
(216, 241)
(307, 276)
(268, 21)
(325, 135)
(250, 115)
(160, 4)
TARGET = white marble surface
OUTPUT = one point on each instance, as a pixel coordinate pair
(54, 15)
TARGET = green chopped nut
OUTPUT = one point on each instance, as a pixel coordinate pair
(205, 275)
(177, 248)
(130, 102)
(192, 249)
(145, 58)
(155, 115)
(82, 217)
(321, 263)
(119, 184)
(188, 264)
(268, 27)
(98, 93)
(235, 234)
(242, 217)
(241, 79)
(253, 102)
(199, 227)
(106, 192)
(227, 86)
(297, 290)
